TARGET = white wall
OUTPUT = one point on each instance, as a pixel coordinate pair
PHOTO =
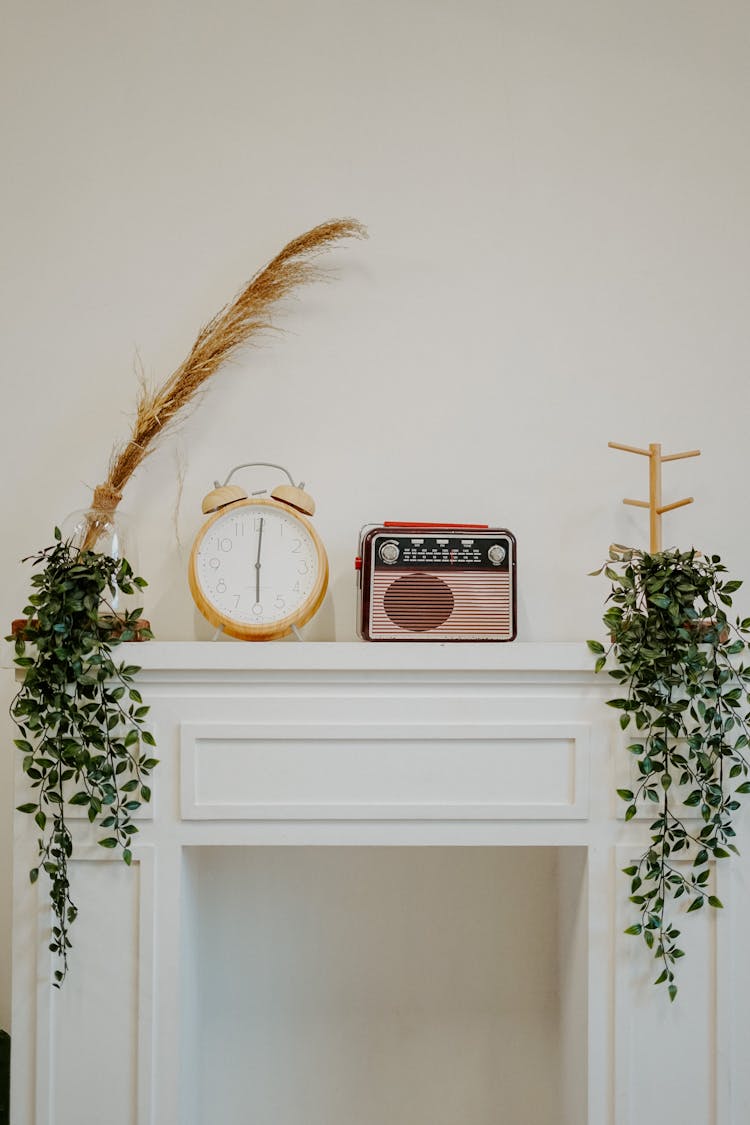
(557, 200)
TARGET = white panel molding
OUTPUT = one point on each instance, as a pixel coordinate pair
(732, 982)
(143, 855)
(46, 1100)
(296, 763)
(644, 1016)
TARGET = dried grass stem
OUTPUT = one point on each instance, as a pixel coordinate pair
(248, 315)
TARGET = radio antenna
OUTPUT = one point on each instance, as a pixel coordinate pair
(654, 504)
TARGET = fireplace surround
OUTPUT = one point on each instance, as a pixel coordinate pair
(376, 883)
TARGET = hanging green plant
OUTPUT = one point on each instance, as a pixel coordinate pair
(683, 686)
(80, 719)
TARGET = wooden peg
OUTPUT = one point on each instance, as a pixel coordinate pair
(654, 502)
(680, 456)
(629, 448)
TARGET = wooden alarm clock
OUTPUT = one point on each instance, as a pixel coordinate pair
(258, 569)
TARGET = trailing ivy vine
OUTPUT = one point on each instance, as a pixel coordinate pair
(684, 688)
(79, 717)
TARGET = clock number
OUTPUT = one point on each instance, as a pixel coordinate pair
(221, 586)
(236, 600)
(258, 522)
(214, 564)
(297, 546)
(296, 588)
(258, 609)
(239, 528)
(302, 568)
(279, 603)
(225, 545)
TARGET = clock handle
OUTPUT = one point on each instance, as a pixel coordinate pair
(292, 494)
(265, 465)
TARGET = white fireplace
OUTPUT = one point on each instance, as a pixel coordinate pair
(378, 883)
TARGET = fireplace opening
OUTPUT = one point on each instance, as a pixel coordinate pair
(384, 986)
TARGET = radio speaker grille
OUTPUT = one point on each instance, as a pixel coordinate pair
(453, 605)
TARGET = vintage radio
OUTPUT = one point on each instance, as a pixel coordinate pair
(436, 582)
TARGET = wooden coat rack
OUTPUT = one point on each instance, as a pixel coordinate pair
(654, 504)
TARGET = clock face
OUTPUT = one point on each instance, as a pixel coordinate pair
(256, 565)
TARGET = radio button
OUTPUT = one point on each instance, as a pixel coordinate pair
(389, 551)
(496, 554)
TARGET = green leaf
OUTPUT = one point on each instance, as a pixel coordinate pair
(715, 902)
(596, 647)
(635, 929)
(625, 794)
(29, 807)
(108, 842)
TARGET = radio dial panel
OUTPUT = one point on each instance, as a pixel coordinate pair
(444, 552)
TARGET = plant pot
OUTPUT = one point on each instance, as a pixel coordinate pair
(141, 630)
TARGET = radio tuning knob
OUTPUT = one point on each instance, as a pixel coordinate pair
(389, 551)
(496, 554)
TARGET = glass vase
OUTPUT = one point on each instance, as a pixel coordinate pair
(106, 531)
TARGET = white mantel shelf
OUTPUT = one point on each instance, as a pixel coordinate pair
(352, 746)
(227, 656)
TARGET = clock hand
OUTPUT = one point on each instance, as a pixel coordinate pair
(257, 564)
